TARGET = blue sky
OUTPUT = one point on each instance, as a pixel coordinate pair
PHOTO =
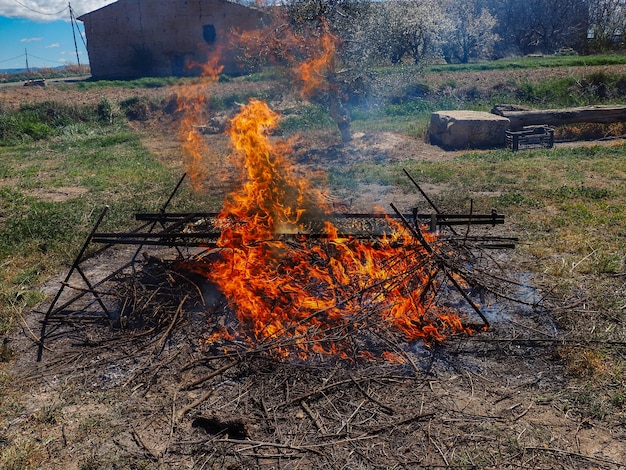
(41, 30)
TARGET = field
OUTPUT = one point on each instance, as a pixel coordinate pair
(543, 387)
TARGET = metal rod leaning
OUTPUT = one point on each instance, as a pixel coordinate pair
(77, 261)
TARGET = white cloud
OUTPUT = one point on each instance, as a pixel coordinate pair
(30, 39)
(48, 10)
(51, 46)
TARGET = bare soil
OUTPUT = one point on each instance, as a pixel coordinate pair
(162, 398)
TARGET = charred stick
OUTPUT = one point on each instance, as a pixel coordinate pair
(209, 376)
(169, 199)
(319, 391)
(469, 222)
(466, 297)
(161, 344)
(388, 409)
(410, 419)
(272, 444)
(430, 202)
(444, 267)
(314, 418)
(195, 403)
(147, 451)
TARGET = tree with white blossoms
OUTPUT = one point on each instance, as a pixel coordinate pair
(469, 32)
(540, 26)
(395, 31)
(607, 24)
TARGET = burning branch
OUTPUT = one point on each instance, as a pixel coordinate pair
(310, 55)
(300, 295)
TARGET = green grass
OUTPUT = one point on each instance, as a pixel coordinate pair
(403, 97)
(312, 116)
(567, 205)
(147, 82)
(104, 164)
(39, 121)
(544, 61)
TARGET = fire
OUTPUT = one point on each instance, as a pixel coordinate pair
(310, 52)
(297, 294)
(315, 72)
(191, 102)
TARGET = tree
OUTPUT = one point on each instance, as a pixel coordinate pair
(470, 34)
(394, 30)
(302, 37)
(607, 24)
(539, 25)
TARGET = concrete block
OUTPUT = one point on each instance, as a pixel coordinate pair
(467, 129)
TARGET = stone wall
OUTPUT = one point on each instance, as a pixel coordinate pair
(467, 129)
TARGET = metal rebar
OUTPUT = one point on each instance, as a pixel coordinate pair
(66, 280)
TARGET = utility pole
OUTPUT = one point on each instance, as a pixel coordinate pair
(27, 67)
(73, 21)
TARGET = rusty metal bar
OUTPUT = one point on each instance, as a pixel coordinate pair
(462, 219)
(77, 261)
(162, 210)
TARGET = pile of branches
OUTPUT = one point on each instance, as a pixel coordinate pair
(461, 276)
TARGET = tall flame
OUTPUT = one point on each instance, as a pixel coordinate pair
(309, 53)
(191, 102)
(305, 296)
(315, 73)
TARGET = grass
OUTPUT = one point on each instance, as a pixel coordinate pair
(147, 82)
(40, 232)
(568, 205)
(533, 62)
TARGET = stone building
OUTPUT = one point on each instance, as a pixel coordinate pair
(157, 38)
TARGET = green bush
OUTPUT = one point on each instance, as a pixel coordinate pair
(39, 121)
(308, 117)
(135, 108)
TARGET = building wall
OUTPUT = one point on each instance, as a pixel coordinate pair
(137, 38)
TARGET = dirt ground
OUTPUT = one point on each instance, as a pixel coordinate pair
(163, 398)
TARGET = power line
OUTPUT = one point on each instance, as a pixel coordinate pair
(12, 58)
(74, 25)
(40, 12)
(74, 28)
(47, 60)
(34, 57)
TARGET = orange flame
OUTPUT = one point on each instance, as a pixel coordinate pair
(308, 297)
(191, 102)
(314, 73)
(310, 53)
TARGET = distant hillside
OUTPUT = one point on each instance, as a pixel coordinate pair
(22, 71)
(16, 75)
